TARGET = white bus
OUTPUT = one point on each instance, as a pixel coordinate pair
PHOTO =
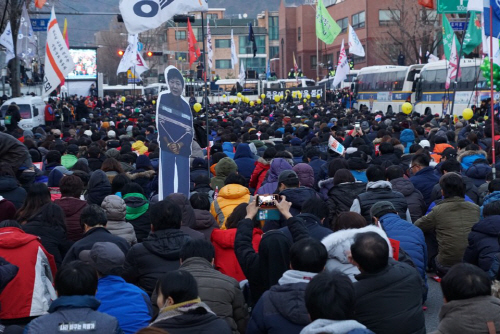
(155, 89)
(122, 90)
(347, 83)
(433, 98)
(385, 88)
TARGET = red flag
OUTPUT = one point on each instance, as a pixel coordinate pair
(427, 3)
(40, 3)
(194, 51)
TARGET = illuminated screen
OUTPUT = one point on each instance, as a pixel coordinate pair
(85, 64)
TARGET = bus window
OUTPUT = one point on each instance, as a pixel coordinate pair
(400, 80)
(411, 75)
(468, 78)
(440, 80)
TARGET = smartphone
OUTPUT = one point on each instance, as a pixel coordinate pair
(266, 201)
(357, 125)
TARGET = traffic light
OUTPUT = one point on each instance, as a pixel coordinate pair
(154, 53)
(183, 18)
(150, 54)
(121, 52)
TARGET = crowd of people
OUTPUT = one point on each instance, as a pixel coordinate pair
(345, 244)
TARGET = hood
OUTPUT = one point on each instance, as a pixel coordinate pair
(98, 188)
(204, 220)
(258, 143)
(407, 136)
(225, 167)
(70, 205)
(289, 301)
(403, 185)
(74, 302)
(321, 326)
(305, 174)
(199, 163)
(138, 174)
(243, 151)
(479, 154)
(378, 185)
(338, 244)
(8, 183)
(489, 226)
(13, 237)
(225, 238)
(262, 161)
(296, 151)
(115, 208)
(328, 183)
(277, 166)
(166, 244)
(228, 148)
(188, 216)
(233, 191)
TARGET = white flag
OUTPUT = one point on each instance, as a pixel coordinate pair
(420, 55)
(355, 46)
(242, 76)
(234, 55)
(209, 46)
(8, 42)
(140, 16)
(452, 66)
(495, 55)
(140, 65)
(58, 61)
(26, 39)
(342, 67)
(476, 5)
(129, 58)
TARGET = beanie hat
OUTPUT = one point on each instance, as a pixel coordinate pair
(143, 162)
(357, 163)
(111, 134)
(88, 133)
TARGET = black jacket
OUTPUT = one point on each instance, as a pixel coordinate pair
(414, 198)
(12, 191)
(298, 196)
(470, 190)
(98, 188)
(378, 191)
(390, 301)
(313, 225)
(142, 224)
(159, 253)
(340, 198)
(483, 242)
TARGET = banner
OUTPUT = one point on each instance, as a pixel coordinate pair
(493, 5)
(58, 61)
(473, 34)
(234, 55)
(326, 27)
(174, 122)
(335, 146)
(314, 91)
(129, 57)
(26, 39)
(142, 15)
(210, 49)
(8, 42)
(242, 76)
(448, 37)
(355, 46)
(194, 50)
(451, 73)
(342, 67)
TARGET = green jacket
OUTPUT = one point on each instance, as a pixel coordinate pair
(223, 168)
(68, 160)
(452, 219)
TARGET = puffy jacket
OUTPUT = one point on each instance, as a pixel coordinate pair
(143, 178)
(424, 180)
(229, 198)
(244, 160)
(491, 197)
(414, 199)
(467, 158)
(324, 187)
(223, 168)
(324, 326)
(225, 257)
(159, 253)
(298, 196)
(228, 149)
(68, 310)
(316, 164)
(452, 219)
(14, 152)
(483, 242)
(220, 292)
(138, 214)
(205, 223)
(116, 210)
(470, 191)
(438, 151)
(407, 138)
(305, 174)
(278, 165)
(313, 225)
(72, 208)
(478, 172)
(31, 291)
(98, 188)
(341, 197)
(390, 301)
(12, 191)
(259, 173)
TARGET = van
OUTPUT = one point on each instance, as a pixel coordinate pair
(32, 109)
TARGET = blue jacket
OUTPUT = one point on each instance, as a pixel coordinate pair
(478, 172)
(314, 227)
(126, 302)
(244, 160)
(228, 149)
(359, 176)
(407, 138)
(424, 180)
(468, 157)
(494, 196)
(316, 164)
(483, 242)
(68, 311)
(411, 240)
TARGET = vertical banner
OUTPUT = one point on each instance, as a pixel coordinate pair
(210, 49)
(174, 122)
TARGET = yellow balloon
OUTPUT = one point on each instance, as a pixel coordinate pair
(299, 94)
(239, 94)
(197, 107)
(124, 99)
(263, 96)
(154, 101)
(467, 114)
(247, 100)
(486, 118)
(277, 98)
(407, 108)
(259, 101)
(294, 94)
(308, 96)
(305, 100)
(252, 103)
(224, 96)
(231, 100)
(318, 96)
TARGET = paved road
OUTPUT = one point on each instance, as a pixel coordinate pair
(433, 303)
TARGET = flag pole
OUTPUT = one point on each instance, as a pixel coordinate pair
(492, 115)
(204, 102)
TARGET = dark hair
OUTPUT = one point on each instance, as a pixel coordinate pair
(312, 152)
(421, 159)
(165, 214)
(197, 248)
(464, 281)
(76, 279)
(335, 165)
(93, 215)
(451, 165)
(394, 172)
(238, 214)
(347, 220)
(82, 166)
(452, 185)
(386, 148)
(38, 196)
(200, 201)
(494, 185)
(414, 148)
(342, 176)
(71, 186)
(269, 153)
(370, 251)
(463, 143)
(308, 255)
(111, 165)
(330, 296)
(316, 207)
(179, 285)
(53, 157)
(131, 188)
(491, 209)
(52, 215)
(375, 173)
(119, 181)
(235, 178)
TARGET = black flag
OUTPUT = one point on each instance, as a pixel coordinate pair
(251, 38)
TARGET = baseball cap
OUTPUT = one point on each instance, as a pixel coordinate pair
(111, 134)
(381, 208)
(287, 176)
(424, 143)
(64, 170)
(106, 257)
(87, 133)
(72, 149)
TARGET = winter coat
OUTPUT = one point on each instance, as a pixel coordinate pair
(324, 326)
(341, 197)
(115, 209)
(478, 172)
(338, 245)
(98, 188)
(414, 199)
(12, 191)
(386, 159)
(316, 164)
(469, 315)
(424, 181)
(159, 253)
(205, 223)
(259, 173)
(390, 301)
(200, 169)
(325, 186)
(31, 291)
(67, 310)
(244, 160)
(407, 138)
(467, 158)
(14, 152)
(223, 168)
(491, 197)
(228, 149)
(138, 206)
(225, 257)
(142, 177)
(313, 225)
(95, 164)
(220, 292)
(298, 196)
(95, 234)
(72, 208)
(305, 174)
(188, 215)
(69, 160)
(438, 150)
(229, 198)
(470, 190)
(278, 165)
(483, 242)
(452, 219)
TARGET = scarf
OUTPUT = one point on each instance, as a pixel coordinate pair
(135, 212)
(296, 276)
(175, 310)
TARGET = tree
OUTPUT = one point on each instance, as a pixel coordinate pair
(110, 42)
(15, 10)
(410, 27)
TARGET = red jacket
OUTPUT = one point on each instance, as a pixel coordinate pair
(225, 258)
(259, 174)
(49, 117)
(31, 292)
